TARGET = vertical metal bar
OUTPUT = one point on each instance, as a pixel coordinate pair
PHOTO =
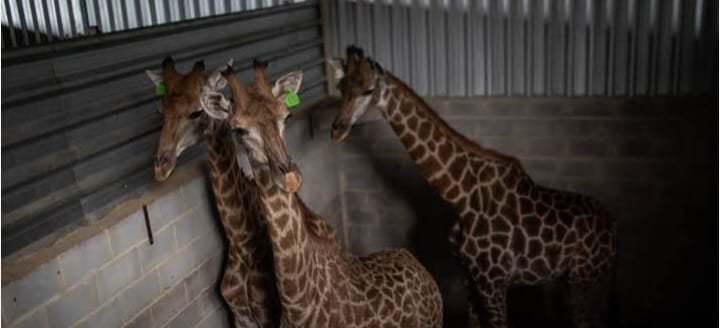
(610, 51)
(35, 21)
(382, 44)
(111, 15)
(47, 15)
(517, 47)
(98, 16)
(567, 49)
(687, 39)
(599, 51)
(59, 20)
(196, 9)
(411, 58)
(85, 16)
(652, 49)
(468, 41)
(23, 23)
(638, 36)
(7, 16)
(166, 8)
(341, 27)
(138, 14)
(450, 51)
(399, 44)
(526, 48)
(547, 48)
(418, 35)
(487, 50)
(227, 8)
(506, 45)
(439, 47)
(125, 14)
(153, 12)
(620, 48)
(71, 18)
(11, 23)
(181, 9)
(675, 46)
(666, 47)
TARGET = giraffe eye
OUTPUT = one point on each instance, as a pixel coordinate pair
(195, 115)
(368, 92)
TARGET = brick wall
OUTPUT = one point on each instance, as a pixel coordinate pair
(650, 161)
(117, 278)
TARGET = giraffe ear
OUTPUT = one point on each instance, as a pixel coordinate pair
(337, 68)
(155, 76)
(289, 82)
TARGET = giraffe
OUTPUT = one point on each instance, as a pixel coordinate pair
(509, 230)
(248, 283)
(319, 284)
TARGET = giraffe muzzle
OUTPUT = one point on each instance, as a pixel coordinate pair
(164, 166)
(340, 131)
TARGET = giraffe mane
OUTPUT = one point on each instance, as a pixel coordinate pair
(464, 141)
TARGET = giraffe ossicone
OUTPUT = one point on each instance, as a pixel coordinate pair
(509, 230)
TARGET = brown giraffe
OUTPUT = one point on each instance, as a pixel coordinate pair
(248, 283)
(319, 284)
(510, 230)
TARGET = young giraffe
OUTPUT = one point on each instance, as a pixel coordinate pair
(248, 284)
(319, 284)
(510, 230)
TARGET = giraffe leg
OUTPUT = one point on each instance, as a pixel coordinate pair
(494, 300)
(578, 296)
(472, 305)
(473, 315)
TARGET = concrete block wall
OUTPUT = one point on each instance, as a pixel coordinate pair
(117, 278)
(650, 161)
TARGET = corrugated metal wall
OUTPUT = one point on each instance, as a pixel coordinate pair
(30, 22)
(80, 124)
(538, 47)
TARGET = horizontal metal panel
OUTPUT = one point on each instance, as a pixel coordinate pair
(537, 47)
(80, 125)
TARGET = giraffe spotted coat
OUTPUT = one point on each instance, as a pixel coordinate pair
(318, 283)
(509, 229)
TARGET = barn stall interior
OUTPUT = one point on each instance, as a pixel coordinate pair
(611, 99)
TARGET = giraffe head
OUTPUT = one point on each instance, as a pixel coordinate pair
(182, 112)
(360, 80)
(258, 118)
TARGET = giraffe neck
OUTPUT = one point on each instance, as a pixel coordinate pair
(235, 195)
(441, 153)
(305, 252)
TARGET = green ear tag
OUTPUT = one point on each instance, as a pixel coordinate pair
(160, 89)
(292, 99)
